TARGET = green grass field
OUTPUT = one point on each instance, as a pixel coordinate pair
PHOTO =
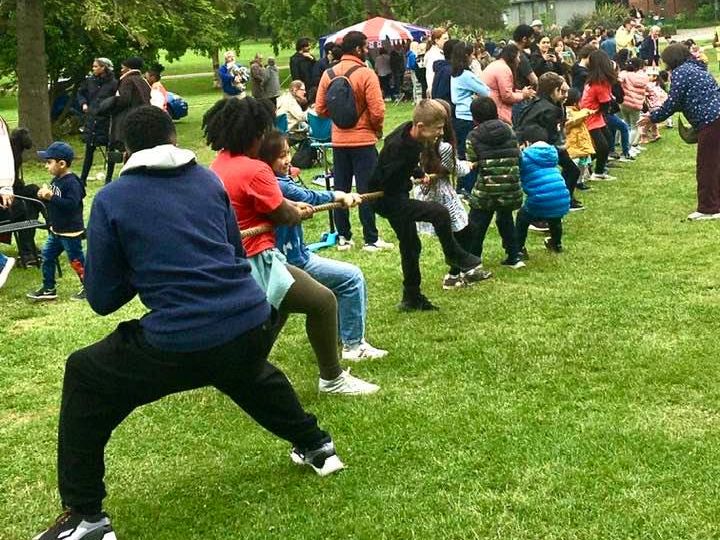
(575, 399)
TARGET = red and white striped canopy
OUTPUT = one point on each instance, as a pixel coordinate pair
(378, 31)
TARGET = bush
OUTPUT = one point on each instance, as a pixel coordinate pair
(607, 16)
(577, 22)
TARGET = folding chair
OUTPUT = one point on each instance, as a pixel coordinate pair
(320, 134)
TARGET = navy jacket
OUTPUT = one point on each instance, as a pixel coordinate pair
(694, 92)
(169, 235)
(65, 208)
(441, 82)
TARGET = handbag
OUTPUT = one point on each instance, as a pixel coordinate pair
(687, 133)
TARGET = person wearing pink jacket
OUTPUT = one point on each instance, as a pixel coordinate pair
(634, 83)
(498, 76)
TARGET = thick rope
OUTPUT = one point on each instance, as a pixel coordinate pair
(254, 231)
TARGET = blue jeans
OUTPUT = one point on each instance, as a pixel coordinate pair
(462, 128)
(359, 162)
(54, 246)
(615, 124)
(3, 260)
(347, 282)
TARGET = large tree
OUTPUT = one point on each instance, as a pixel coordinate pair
(33, 102)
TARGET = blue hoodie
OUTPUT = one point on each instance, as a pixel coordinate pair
(166, 231)
(290, 240)
(441, 82)
(547, 195)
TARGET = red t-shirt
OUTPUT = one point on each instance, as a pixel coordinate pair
(595, 94)
(254, 192)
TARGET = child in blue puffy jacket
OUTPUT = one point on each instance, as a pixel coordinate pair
(547, 197)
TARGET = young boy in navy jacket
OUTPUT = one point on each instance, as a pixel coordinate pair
(64, 199)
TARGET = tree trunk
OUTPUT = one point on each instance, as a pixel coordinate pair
(33, 100)
(215, 56)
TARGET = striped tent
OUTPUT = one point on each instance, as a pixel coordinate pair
(380, 31)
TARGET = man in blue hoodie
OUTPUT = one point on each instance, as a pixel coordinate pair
(167, 233)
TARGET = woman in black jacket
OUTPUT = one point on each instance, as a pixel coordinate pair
(99, 85)
(133, 91)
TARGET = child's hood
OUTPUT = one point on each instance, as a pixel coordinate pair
(163, 157)
(541, 154)
(494, 133)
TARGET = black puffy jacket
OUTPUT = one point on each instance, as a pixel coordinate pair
(91, 93)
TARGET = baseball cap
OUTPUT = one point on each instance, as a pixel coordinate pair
(58, 150)
(536, 22)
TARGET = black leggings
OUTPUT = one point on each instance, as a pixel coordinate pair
(319, 305)
(600, 138)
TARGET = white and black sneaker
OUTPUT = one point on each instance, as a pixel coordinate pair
(323, 459)
(73, 526)
(42, 294)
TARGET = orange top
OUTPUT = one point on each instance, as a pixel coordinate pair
(368, 100)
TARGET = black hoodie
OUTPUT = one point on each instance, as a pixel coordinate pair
(494, 147)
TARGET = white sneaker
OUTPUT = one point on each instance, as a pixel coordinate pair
(634, 152)
(699, 216)
(377, 246)
(602, 177)
(362, 351)
(323, 460)
(343, 244)
(5, 272)
(347, 384)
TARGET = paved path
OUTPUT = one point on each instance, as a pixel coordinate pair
(696, 33)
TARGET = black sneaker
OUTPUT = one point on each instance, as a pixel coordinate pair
(42, 294)
(576, 206)
(420, 303)
(72, 526)
(80, 295)
(614, 156)
(552, 246)
(513, 262)
(323, 459)
(475, 275)
(582, 186)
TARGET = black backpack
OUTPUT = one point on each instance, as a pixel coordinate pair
(340, 99)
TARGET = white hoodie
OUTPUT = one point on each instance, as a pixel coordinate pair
(165, 156)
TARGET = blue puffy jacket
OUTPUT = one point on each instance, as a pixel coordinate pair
(547, 196)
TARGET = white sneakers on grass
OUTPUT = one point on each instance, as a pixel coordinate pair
(347, 384)
(344, 244)
(699, 216)
(362, 351)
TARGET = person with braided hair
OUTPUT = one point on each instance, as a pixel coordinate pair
(235, 128)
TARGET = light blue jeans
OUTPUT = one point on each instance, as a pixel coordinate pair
(347, 282)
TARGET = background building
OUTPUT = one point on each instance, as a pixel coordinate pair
(555, 11)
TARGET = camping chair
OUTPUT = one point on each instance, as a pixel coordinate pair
(14, 227)
(320, 134)
(281, 123)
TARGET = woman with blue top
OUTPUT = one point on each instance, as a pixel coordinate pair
(464, 86)
(695, 93)
(345, 280)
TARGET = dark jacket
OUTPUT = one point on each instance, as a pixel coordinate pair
(494, 147)
(579, 75)
(543, 113)
(397, 162)
(650, 50)
(441, 82)
(187, 265)
(618, 96)
(301, 68)
(92, 92)
(133, 91)
(541, 66)
(65, 207)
